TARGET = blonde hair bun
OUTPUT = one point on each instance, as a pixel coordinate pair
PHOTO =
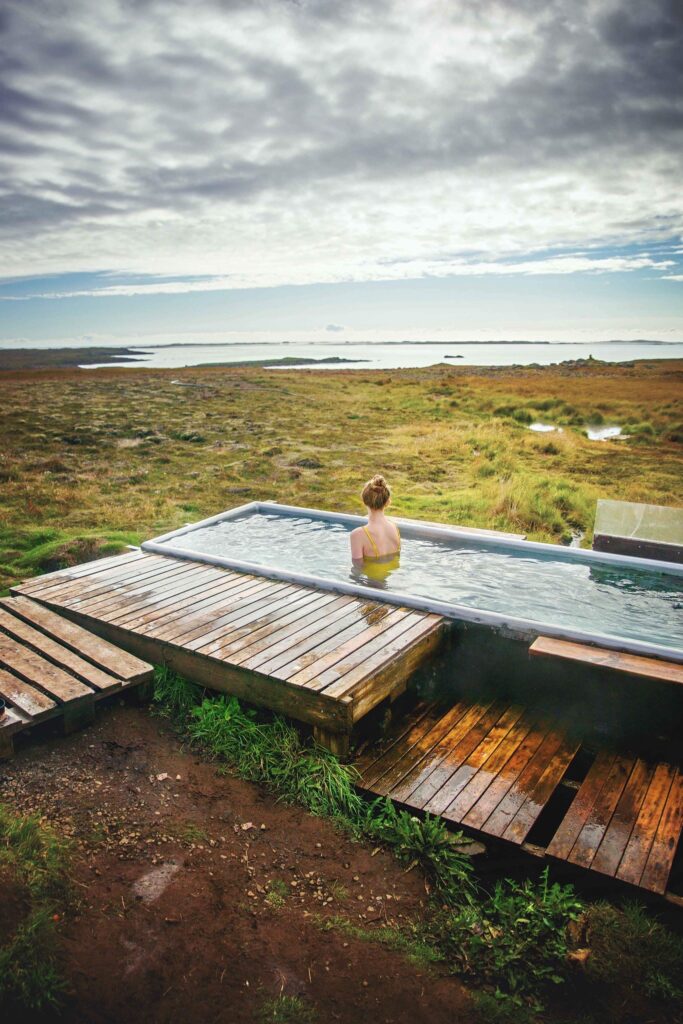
(376, 493)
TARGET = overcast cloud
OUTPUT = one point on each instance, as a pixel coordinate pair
(274, 142)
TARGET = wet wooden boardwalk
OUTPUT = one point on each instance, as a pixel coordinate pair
(490, 766)
(494, 768)
(52, 668)
(317, 656)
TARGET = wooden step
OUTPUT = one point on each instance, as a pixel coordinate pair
(52, 668)
(603, 657)
(82, 642)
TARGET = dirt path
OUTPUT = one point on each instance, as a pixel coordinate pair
(174, 868)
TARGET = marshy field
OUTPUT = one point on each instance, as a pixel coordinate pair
(94, 460)
(194, 861)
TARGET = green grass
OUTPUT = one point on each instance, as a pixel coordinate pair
(424, 842)
(277, 894)
(275, 901)
(338, 891)
(286, 1010)
(174, 696)
(273, 752)
(514, 939)
(408, 940)
(192, 834)
(633, 953)
(39, 549)
(35, 859)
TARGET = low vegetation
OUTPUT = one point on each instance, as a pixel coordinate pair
(409, 940)
(33, 890)
(516, 942)
(633, 954)
(285, 1009)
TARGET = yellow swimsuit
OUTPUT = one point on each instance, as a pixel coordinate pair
(378, 567)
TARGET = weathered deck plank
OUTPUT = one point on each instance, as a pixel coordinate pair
(494, 768)
(490, 766)
(625, 820)
(55, 652)
(602, 657)
(27, 698)
(255, 637)
(109, 658)
(52, 668)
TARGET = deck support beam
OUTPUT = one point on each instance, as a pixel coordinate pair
(336, 742)
(6, 745)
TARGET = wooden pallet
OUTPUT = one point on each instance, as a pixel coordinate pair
(625, 820)
(490, 766)
(314, 655)
(50, 667)
(603, 657)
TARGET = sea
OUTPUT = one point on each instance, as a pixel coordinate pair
(397, 354)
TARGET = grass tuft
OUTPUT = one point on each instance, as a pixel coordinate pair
(287, 1010)
(174, 696)
(273, 752)
(424, 842)
(35, 861)
(515, 939)
(409, 940)
(633, 953)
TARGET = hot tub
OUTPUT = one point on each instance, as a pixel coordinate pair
(517, 586)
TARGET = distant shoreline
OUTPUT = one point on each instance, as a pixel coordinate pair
(70, 358)
(65, 358)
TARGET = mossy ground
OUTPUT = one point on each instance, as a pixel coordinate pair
(93, 460)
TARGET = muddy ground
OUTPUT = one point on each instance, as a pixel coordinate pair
(175, 869)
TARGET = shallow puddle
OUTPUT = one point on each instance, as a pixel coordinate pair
(602, 433)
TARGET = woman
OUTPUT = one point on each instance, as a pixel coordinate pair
(375, 548)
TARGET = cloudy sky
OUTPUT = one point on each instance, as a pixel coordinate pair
(387, 167)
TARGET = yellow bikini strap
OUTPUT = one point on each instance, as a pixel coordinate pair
(372, 541)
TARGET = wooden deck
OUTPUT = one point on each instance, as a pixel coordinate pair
(625, 820)
(494, 767)
(314, 655)
(51, 668)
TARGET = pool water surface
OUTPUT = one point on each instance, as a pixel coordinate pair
(602, 598)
